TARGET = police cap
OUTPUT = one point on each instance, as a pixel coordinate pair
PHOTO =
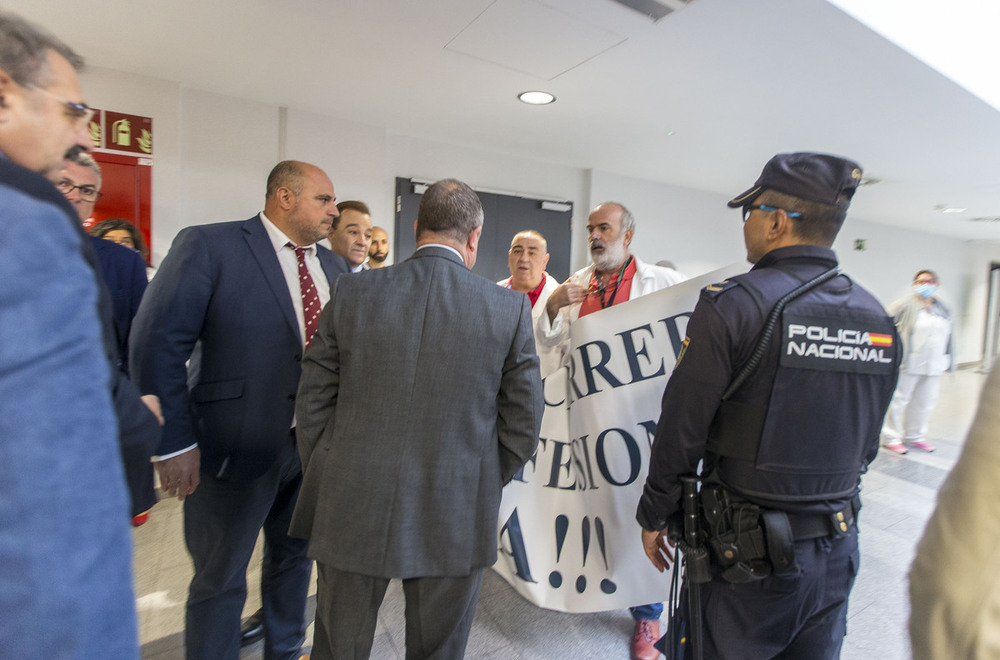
(813, 177)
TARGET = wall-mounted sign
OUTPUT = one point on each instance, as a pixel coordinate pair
(116, 131)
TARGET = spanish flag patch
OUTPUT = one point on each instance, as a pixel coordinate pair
(879, 340)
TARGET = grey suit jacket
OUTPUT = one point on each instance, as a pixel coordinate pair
(420, 398)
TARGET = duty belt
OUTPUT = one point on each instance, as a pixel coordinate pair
(819, 525)
(750, 542)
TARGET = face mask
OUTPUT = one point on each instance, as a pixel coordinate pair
(924, 290)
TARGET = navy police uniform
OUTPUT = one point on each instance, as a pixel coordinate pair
(787, 448)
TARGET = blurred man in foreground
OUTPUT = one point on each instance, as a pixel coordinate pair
(65, 545)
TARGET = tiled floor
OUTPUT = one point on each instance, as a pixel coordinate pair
(899, 494)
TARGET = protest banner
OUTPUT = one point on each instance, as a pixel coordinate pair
(568, 537)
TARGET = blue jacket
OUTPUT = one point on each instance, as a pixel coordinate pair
(65, 543)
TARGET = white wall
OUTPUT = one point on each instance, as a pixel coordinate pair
(228, 147)
(353, 155)
(212, 154)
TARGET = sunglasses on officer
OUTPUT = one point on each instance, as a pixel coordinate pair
(747, 210)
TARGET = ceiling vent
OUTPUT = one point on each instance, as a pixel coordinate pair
(654, 9)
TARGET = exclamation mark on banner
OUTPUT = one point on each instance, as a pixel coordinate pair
(581, 582)
(562, 526)
(607, 586)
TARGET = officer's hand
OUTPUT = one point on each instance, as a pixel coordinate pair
(658, 548)
(565, 294)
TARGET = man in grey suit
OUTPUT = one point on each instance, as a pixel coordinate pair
(219, 337)
(414, 494)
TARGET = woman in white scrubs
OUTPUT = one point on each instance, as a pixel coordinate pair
(925, 328)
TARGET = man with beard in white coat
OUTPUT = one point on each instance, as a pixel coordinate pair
(614, 277)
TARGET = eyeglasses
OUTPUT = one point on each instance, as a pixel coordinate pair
(764, 207)
(87, 193)
(78, 111)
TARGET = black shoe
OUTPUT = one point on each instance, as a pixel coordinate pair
(252, 629)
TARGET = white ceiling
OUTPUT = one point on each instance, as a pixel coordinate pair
(701, 98)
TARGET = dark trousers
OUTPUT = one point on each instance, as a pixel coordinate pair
(439, 614)
(222, 520)
(798, 617)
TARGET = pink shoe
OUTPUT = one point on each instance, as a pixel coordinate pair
(923, 444)
(897, 447)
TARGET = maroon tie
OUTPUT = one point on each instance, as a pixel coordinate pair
(310, 298)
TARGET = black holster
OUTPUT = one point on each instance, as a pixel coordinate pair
(735, 535)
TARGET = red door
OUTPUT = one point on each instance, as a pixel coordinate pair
(127, 191)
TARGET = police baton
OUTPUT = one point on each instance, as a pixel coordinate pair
(696, 565)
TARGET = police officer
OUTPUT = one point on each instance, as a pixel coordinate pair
(781, 388)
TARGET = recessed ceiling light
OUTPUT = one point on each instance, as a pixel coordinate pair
(536, 98)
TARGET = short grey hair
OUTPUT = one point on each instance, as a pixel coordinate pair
(449, 207)
(24, 51)
(628, 220)
(286, 174)
(81, 157)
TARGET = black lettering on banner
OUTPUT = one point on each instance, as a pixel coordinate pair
(631, 446)
(592, 360)
(674, 331)
(519, 476)
(562, 527)
(559, 464)
(601, 367)
(515, 548)
(559, 392)
(584, 466)
(569, 465)
(864, 346)
(632, 354)
(650, 427)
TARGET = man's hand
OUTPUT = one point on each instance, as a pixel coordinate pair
(179, 475)
(658, 548)
(565, 294)
(153, 403)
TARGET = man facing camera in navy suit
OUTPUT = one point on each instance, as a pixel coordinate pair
(123, 269)
(240, 301)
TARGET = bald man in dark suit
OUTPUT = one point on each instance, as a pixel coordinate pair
(237, 300)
